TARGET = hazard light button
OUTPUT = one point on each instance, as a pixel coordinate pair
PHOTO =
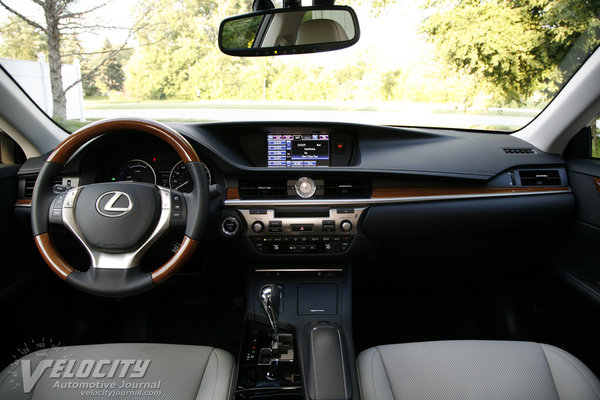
(302, 227)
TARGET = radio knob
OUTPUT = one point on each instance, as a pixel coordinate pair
(346, 226)
(230, 226)
(257, 227)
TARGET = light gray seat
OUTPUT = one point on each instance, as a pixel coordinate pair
(173, 372)
(320, 31)
(477, 370)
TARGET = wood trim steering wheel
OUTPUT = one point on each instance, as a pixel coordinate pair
(115, 267)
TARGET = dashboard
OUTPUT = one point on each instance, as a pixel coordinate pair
(331, 190)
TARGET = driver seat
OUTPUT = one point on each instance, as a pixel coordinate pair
(143, 370)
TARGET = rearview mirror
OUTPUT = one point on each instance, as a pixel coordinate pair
(289, 31)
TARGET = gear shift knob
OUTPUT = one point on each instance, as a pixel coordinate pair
(270, 299)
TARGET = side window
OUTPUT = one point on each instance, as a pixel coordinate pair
(10, 152)
(595, 130)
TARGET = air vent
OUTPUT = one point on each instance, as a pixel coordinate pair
(540, 177)
(519, 151)
(252, 188)
(30, 183)
(348, 188)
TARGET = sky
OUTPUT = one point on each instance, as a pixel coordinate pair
(116, 13)
(404, 16)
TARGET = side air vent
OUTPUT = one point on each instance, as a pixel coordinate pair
(253, 188)
(30, 183)
(519, 151)
(348, 187)
(541, 177)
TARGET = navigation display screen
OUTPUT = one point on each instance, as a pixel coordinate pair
(310, 150)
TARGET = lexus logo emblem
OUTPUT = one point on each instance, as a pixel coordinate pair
(114, 204)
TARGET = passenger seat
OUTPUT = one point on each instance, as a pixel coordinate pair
(474, 370)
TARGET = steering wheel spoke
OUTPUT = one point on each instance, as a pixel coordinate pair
(114, 259)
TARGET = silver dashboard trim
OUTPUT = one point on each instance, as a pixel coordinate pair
(316, 223)
(386, 200)
(298, 270)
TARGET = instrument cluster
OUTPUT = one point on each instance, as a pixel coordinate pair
(159, 171)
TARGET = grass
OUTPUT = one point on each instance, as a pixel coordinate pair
(386, 108)
(71, 125)
(100, 104)
(176, 104)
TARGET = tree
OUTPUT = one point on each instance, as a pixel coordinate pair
(389, 82)
(112, 75)
(109, 77)
(62, 19)
(20, 40)
(515, 46)
(176, 50)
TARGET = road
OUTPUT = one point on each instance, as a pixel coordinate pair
(405, 118)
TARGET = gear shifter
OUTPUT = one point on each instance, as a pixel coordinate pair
(282, 345)
(270, 298)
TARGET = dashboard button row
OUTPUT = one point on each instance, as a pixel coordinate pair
(302, 244)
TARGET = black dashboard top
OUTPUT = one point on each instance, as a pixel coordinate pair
(443, 153)
(234, 149)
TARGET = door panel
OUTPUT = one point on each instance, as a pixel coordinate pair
(579, 261)
(8, 197)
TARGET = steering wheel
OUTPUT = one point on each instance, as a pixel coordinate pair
(118, 222)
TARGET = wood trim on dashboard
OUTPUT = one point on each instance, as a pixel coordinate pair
(597, 184)
(187, 248)
(54, 260)
(232, 194)
(23, 202)
(386, 193)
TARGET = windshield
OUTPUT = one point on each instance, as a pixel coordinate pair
(471, 64)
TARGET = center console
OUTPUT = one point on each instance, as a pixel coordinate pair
(298, 339)
(298, 332)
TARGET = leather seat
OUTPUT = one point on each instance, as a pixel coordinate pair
(320, 31)
(173, 372)
(482, 370)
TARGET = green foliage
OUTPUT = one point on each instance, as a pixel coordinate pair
(389, 83)
(110, 77)
(595, 128)
(517, 47)
(240, 33)
(20, 40)
(181, 33)
(480, 53)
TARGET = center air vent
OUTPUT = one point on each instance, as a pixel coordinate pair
(348, 187)
(253, 188)
(270, 188)
(541, 177)
(30, 184)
